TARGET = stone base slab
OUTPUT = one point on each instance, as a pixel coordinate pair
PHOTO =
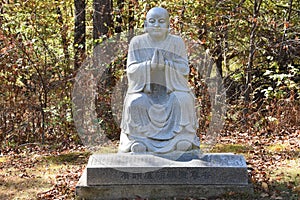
(126, 176)
(216, 169)
(163, 192)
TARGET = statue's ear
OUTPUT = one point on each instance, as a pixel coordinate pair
(145, 26)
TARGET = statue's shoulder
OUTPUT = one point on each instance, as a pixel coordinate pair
(176, 39)
(138, 38)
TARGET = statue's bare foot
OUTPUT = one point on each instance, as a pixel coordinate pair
(183, 146)
(138, 148)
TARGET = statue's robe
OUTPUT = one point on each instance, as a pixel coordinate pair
(159, 107)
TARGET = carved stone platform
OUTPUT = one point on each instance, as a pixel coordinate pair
(121, 176)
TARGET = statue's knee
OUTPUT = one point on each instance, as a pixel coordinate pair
(138, 147)
(183, 97)
(183, 146)
(138, 101)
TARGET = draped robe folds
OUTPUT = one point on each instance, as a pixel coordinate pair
(159, 108)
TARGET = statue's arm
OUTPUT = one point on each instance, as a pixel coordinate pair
(136, 66)
(137, 69)
(180, 62)
(180, 66)
(134, 58)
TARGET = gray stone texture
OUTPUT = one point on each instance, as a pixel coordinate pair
(117, 176)
(149, 169)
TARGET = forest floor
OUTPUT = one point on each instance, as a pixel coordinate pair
(47, 172)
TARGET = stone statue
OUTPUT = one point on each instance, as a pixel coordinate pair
(159, 110)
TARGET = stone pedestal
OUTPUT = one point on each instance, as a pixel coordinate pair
(121, 176)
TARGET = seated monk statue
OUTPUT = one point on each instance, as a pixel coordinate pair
(159, 109)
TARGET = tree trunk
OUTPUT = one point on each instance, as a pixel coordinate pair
(63, 33)
(217, 54)
(102, 19)
(131, 20)
(252, 50)
(119, 18)
(79, 33)
(1, 13)
(103, 70)
(282, 54)
(102, 24)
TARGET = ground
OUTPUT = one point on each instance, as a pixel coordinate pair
(48, 172)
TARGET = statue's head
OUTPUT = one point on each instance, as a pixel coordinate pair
(157, 23)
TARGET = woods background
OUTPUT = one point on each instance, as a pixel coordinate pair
(254, 44)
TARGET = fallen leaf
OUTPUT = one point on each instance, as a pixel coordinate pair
(263, 195)
(297, 189)
(265, 186)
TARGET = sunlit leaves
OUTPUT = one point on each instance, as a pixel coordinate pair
(35, 69)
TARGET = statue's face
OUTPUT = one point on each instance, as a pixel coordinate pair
(157, 23)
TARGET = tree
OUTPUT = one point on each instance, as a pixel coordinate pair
(102, 19)
(252, 50)
(79, 33)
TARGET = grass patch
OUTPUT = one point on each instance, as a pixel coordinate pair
(284, 180)
(289, 173)
(23, 183)
(285, 149)
(231, 148)
(24, 177)
(18, 187)
(2, 159)
(68, 158)
(279, 147)
(107, 149)
(76, 157)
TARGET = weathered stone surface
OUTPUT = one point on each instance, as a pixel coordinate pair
(119, 176)
(149, 169)
(159, 191)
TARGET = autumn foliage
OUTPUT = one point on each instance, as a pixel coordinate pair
(254, 49)
(37, 72)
